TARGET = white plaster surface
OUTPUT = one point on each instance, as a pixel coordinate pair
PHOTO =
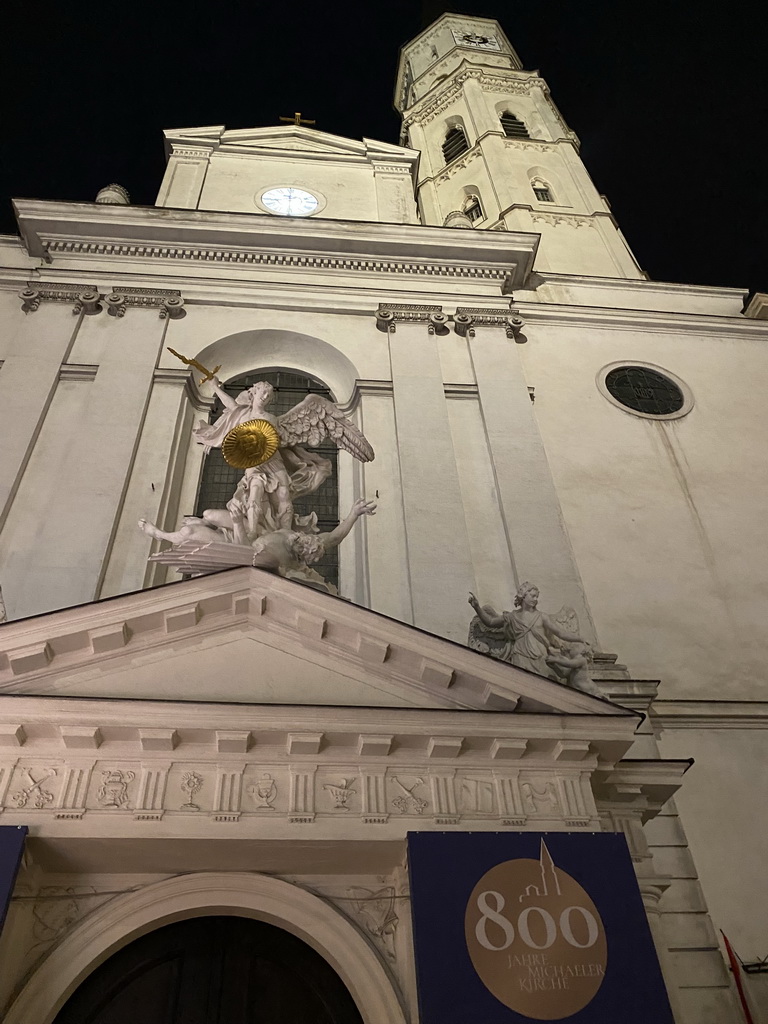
(721, 804)
(653, 528)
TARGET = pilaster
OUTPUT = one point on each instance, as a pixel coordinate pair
(28, 379)
(539, 548)
(439, 564)
(184, 176)
(227, 805)
(73, 542)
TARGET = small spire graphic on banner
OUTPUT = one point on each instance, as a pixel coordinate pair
(297, 119)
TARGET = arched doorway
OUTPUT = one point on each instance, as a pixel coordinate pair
(213, 970)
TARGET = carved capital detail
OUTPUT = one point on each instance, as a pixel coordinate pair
(84, 297)
(389, 314)
(168, 302)
(467, 318)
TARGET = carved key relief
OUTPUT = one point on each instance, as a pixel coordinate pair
(34, 786)
(408, 793)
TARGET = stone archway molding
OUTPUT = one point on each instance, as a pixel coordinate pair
(277, 349)
(128, 917)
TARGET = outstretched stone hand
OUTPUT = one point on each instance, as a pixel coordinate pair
(363, 508)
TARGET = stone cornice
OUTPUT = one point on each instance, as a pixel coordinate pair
(49, 652)
(710, 714)
(44, 726)
(644, 784)
(647, 321)
(429, 106)
(334, 768)
(545, 277)
(280, 260)
(194, 236)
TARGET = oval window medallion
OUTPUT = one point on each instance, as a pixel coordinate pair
(645, 390)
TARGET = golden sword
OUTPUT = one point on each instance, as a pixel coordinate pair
(209, 374)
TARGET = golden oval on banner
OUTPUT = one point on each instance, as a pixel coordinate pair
(250, 444)
(535, 938)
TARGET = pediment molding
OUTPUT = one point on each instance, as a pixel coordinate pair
(48, 654)
(288, 140)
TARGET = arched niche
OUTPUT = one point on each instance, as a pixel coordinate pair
(128, 917)
(273, 349)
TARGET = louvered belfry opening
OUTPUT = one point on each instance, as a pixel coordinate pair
(219, 479)
(473, 209)
(455, 143)
(513, 127)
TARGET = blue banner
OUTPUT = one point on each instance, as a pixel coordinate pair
(530, 926)
(11, 848)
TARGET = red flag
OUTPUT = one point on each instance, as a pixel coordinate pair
(736, 968)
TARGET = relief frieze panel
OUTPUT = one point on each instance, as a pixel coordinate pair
(241, 789)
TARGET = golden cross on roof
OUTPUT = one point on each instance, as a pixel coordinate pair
(297, 119)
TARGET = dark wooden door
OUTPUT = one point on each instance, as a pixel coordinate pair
(213, 970)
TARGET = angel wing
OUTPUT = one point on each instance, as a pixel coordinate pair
(314, 419)
(485, 639)
(193, 557)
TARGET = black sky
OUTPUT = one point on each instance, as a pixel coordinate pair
(669, 100)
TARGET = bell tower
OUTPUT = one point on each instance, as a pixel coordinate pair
(495, 152)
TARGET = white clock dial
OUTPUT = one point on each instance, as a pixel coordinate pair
(290, 202)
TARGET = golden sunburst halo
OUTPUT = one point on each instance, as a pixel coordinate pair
(250, 444)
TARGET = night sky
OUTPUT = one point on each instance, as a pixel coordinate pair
(669, 100)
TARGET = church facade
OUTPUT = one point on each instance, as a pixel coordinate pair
(540, 410)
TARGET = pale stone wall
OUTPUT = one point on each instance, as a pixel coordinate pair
(665, 517)
(231, 170)
(721, 803)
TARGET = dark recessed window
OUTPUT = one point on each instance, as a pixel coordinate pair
(543, 194)
(644, 390)
(473, 209)
(513, 127)
(455, 143)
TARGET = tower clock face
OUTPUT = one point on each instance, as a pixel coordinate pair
(473, 39)
(290, 202)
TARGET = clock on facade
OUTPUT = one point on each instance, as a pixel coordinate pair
(290, 202)
(473, 39)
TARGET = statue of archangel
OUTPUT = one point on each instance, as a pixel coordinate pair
(258, 526)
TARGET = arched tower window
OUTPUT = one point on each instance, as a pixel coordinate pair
(220, 479)
(455, 143)
(513, 127)
(473, 208)
(542, 191)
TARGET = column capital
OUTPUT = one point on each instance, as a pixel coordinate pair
(84, 297)
(390, 314)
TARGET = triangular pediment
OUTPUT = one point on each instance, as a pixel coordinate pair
(287, 139)
(248, 636)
